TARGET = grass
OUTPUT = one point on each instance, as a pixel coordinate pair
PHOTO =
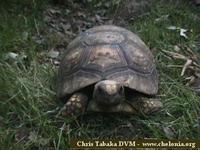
(28, 102)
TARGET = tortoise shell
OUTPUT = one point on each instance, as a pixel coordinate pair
(107, 52)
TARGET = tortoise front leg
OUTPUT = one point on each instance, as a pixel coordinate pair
(146, 105)
(75, 105)
(142, 105)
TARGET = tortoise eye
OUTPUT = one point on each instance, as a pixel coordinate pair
(100, 90)
(121, 90)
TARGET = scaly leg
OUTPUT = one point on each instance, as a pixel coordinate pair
(75, 105)
(146, 105)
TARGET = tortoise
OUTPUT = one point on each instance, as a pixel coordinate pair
(108, 69)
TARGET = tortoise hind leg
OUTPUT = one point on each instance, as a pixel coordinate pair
(75, 105)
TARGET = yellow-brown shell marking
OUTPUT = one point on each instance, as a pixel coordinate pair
(104, 56)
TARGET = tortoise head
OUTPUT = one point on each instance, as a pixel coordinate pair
(108, 93)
